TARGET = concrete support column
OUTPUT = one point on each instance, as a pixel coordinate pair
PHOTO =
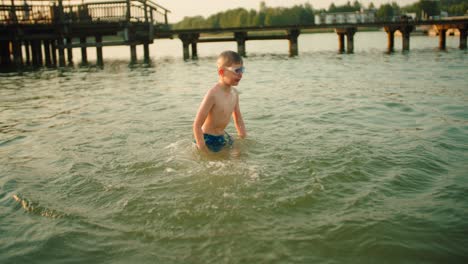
(84, 55)
(293, 35)
(341, 45)
(146, 55)
(463, 36)
(390, 38)
(349, 33)
(442, 38)
(100, 60)
(390, 41)
(241, 37)
(406, 31)
(185, 45)
(194, 40)
(186, 51)
(194, 50)
(133, 54)
(189, 39)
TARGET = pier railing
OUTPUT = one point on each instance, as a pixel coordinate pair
(45, 12)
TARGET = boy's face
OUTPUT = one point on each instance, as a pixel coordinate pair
(233, 74)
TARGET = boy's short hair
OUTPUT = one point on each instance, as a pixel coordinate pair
(227, 58)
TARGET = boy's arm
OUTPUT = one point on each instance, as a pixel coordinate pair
(238, 120)
(200, 118)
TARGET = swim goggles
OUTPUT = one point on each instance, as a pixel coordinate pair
(237, 70)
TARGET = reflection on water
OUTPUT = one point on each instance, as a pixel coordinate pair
(350, 158)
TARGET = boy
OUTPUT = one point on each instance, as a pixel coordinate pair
(219, 103)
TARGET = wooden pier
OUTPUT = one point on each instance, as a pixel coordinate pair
(36, 33)
(345, 32)
(43, 33)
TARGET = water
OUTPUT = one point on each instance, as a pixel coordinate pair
(356, 158)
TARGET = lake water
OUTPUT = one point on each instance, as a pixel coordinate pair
(350, 158)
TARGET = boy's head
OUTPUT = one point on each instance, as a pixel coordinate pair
(230, 68)
(228, 58)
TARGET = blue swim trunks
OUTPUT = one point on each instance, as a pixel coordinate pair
(217, 143)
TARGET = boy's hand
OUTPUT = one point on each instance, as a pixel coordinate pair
(203, 149)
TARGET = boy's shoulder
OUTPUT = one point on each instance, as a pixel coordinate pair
(213, 90)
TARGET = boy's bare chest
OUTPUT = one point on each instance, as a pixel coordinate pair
(225, 104)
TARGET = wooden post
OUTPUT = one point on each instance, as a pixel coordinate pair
(47, 53)
(69, 51)
(84, 55)
(145, 5)
(128, 11)
(61, 52)
(60, 11)
(40, 54)
(100, 61)
(133, 54)
(17, 54)
(241, 37)
(5, 59)
(35, 61)
(53, 47)
(293, 35)
(13, 17)
(146, 55)
(27, 49)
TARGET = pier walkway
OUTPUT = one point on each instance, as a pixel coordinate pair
(43, 33)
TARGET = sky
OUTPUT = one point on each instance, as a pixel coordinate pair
(182, 8)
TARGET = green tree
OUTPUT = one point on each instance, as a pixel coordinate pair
(430, 7)
(240, 17)
(385, 12)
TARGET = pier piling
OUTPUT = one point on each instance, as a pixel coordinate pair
(293, 35)
(69, 51)
(146, 54)
(241, 37)
(463, 36)
(47, 53)
(133, 54)
(84, 54)
(99, 58)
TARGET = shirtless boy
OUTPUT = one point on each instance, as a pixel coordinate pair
(219, 103)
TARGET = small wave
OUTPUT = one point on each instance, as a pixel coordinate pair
(9, 141)
(36, 208)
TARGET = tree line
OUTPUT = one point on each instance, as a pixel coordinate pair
(304, 14)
